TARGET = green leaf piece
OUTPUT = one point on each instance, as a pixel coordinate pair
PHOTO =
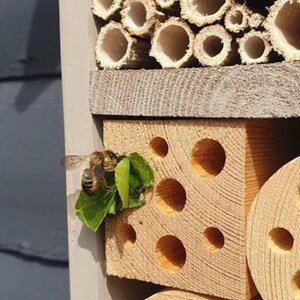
(93, 213)
(142, 169)
(122, 180)
(134, 203)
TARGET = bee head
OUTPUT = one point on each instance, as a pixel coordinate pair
(110, 160)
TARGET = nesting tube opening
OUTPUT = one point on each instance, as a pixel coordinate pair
(283, 26)
(112, 47)
(172, 44)
(105, 9)
(139, 16)
(203, 12)
(254, 48)
(236, 19)
(213, 46)
(287, 24)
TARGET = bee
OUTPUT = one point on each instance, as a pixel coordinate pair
(100, 162)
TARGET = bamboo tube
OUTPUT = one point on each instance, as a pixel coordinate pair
(172, 44)
(139, 17)
(116, 49)
(283, 27)
(273, 231)
(254, 47)
(166, 4)
(236, 19)
(105, 9)
(256, 20)
(203, 12)
(213, 46)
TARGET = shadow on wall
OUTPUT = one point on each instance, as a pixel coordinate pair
(42, 52)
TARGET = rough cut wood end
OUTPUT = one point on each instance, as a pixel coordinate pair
(283, 27)
(273, 231)
(139, 16)
(174, 294)
(105, 9)
(172, 44)
(256, 20)
(203, 12)
(254, 47)
(236, 19)
(213, 46)
(116, 49)
(166, 3)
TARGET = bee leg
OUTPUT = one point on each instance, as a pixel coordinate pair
(104, 185)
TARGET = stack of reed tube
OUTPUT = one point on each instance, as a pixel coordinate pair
(182, 33)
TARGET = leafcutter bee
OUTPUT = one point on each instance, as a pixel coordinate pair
(100, 162)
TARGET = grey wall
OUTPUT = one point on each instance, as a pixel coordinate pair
(33, 235)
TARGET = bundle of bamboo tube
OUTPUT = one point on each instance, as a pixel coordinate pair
(180, 33)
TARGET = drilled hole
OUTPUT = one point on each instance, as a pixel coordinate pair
(170, 196)
(208, 7)
(105, 4)
(288, 24)
(296, 285)
(127, 235)
(137, 14)
(170, 253)
(280, 240)
(213, 239)
(173, 43)
(208, 158)
(114, 46)
(213, 45)
(236, 17)
(159, 147)
(254, 47)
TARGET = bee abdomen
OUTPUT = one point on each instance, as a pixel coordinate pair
(88, 182)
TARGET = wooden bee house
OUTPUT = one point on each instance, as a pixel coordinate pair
(191, 233)
(207, 170)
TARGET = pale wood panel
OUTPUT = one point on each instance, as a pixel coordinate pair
(88, 278)
(257, 91)
(273, 231)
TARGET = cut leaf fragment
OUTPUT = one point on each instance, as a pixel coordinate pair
(142, 169)
(122, 180)
(93, 213)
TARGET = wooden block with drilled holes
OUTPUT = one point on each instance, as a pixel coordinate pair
(191, 232)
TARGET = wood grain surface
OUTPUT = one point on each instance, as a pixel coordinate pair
(196, 201)
(256, 91)
(273, 231)
(174, 294)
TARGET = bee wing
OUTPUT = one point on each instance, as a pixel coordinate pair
(70, 162)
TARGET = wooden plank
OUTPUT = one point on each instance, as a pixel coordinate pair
(191, 232)
(32, 182)
(256, 91)
(88, 278)
(29, 35)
